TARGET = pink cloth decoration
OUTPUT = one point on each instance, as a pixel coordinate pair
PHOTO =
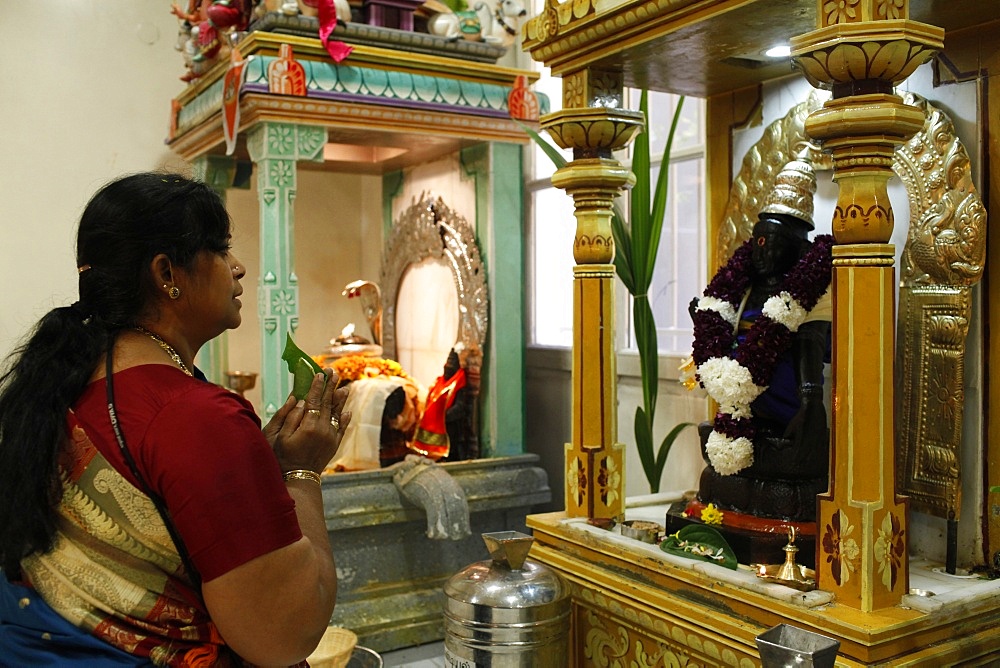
(327, 22)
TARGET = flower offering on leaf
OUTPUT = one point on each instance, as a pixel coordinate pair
(711, 515)
(698, 541)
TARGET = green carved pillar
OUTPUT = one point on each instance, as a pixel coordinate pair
(220, 173)
(274, 149)
(497, 172)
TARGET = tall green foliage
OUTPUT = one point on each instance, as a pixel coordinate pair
(636, 245)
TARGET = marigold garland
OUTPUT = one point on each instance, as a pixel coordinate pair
(733, 373)
(355, 367)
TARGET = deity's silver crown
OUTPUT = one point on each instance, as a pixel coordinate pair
(793, 191)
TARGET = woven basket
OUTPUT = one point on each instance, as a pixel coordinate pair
(334, 650)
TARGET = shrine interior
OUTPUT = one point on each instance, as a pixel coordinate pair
(837, 477)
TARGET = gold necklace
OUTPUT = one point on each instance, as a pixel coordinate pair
(166, 347)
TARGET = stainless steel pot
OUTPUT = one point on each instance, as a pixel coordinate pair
(509, 612)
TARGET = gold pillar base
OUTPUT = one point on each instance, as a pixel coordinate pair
(862, 533)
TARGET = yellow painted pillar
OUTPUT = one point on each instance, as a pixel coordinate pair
(593, 124)
(860, 50)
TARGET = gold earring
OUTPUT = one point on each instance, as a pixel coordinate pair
(174, 292)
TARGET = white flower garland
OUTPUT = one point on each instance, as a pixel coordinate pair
(725, 379)
(729, 456)
(783, 308)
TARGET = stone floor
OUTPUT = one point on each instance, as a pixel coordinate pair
(422, 656)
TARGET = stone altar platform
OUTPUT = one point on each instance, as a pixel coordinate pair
(391, 575)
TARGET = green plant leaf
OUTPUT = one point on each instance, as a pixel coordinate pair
(557, 158)
(649, 358)
(302, 367)
(662, 191)
(644, 444)
(665, 446)
(623, 249)
(702, 542)
(639, 205)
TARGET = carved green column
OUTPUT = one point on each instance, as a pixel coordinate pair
(497, 172)
(274, 149)
(218, 173)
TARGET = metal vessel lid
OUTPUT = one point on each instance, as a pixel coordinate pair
(509, 579)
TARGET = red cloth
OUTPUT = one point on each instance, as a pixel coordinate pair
(431, 439)
(201, 449)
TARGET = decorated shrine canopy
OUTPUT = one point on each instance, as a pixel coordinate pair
(410, 99)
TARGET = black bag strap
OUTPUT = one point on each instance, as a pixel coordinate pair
(157, 501)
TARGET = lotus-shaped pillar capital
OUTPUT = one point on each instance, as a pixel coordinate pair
(597, 130)
(878, 51)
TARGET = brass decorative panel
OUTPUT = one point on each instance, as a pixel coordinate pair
(943, 257)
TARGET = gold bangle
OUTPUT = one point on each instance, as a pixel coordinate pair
(302, 474)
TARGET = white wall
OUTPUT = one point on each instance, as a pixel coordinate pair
(88, 101)
(87, 93)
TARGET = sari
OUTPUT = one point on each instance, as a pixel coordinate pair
(114, 571)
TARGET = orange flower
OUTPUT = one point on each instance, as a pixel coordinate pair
(354, 367)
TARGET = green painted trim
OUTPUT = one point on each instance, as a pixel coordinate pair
(346, 81)
(392, 187)
(217, 172)
(275, 148)
(497, 171)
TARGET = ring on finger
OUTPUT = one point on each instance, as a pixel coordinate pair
(313, 411)
(335, 423)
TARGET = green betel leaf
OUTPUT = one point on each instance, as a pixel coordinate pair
(698, 541)
(302, 367)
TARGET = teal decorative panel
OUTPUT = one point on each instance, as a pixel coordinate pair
(497, 171)
(275, 148)
(378, 86)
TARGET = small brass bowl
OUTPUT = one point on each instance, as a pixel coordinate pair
(641, 530)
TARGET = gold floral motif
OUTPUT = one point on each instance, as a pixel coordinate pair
(576, 480)
(603, 647)
(550, 24)
(572, 90)
(840, 549)
(840, 11)
(137, 508)
(890, 9)
(943, 397)
(890, 547)
(605, 89)
(615, 635)
(609, 481)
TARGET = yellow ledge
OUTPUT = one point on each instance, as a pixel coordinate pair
(629, 599)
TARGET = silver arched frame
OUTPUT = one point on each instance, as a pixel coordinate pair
(429, 229)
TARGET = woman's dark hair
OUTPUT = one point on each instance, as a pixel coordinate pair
(124, 226)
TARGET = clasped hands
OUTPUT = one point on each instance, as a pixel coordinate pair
(307, 434)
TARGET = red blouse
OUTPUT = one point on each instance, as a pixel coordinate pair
(201, 449)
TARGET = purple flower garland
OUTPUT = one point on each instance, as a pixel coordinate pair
(767, 339)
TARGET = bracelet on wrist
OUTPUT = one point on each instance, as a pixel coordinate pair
(302, 474)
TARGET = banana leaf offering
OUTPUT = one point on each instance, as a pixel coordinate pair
(302, 367)
(698, 541)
